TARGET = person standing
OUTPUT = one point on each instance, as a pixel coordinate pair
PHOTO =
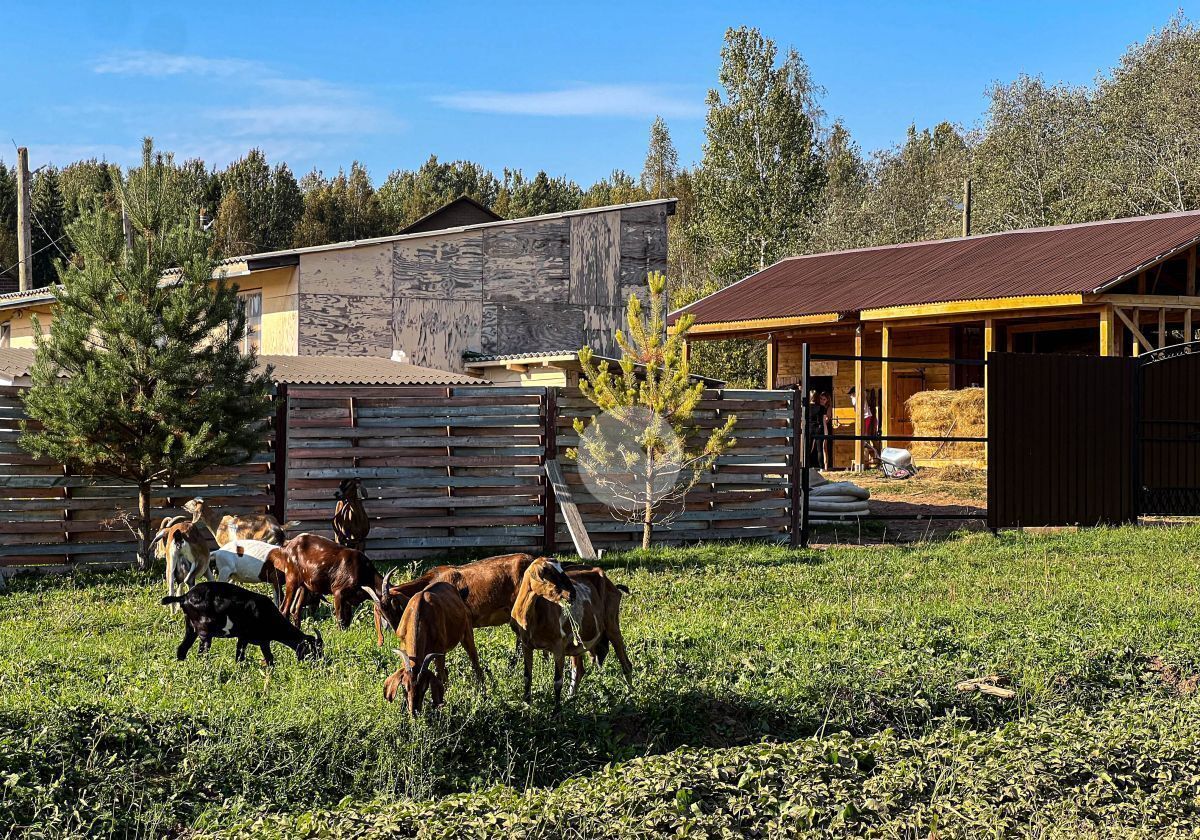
(815, 424)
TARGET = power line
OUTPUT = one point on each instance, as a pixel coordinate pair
(35, 253)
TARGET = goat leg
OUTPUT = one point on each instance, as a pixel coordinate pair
(205, 642)
(527, 652)
(577, 674)
(559, 660)
(618, 645)
(189, 638)
(265, 647)
(240, 654)
(468, 643)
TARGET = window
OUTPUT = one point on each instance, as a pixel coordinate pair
(252, 303)
(5, 334)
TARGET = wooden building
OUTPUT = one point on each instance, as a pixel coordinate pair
(555, 369)
(1106, 288)
(428, 296)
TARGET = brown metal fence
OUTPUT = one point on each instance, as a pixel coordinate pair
(1061, 432)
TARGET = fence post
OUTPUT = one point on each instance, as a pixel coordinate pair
(549, 451)
(794, 483)
(805, 444)
(279, 452)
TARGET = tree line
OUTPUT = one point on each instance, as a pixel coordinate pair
(777, 177)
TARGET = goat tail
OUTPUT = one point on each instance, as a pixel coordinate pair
(173, 599)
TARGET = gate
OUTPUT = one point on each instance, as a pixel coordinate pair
(1166, 460)
(1088, 440)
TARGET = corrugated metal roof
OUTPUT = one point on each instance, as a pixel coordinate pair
(359, 370)
(15, 362)
(1070, 259)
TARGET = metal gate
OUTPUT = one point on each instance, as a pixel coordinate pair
(1166, 456)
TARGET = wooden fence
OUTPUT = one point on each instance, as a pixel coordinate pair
(448, 468)
(49, 517)
(444, 469)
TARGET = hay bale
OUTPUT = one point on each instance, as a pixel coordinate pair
(948, 414)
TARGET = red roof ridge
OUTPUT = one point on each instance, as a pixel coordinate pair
(974, 236)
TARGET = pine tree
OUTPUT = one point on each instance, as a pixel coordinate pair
(155, 388)
(637, 448)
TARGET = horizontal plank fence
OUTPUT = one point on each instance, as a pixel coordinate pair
(50, 517)
(444, 469)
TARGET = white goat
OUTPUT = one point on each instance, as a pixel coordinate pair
(247, 561)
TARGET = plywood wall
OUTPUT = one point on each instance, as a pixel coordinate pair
(537, 286)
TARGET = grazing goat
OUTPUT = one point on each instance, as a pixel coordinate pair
(350, 522)
(433, 624)
(568, 614)
(228, 528)
(491, 585)
(320, 566)
(249, 561)
(222, 610)
(186, 554)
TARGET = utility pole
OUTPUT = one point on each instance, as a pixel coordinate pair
(966, 217)
(24, 233)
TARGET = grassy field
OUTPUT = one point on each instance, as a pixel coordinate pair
(777, 693)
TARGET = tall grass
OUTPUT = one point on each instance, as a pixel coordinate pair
(103, 733)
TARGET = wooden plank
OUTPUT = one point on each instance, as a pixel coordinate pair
(596, 259)
(1162, 328)
(515, 327)
(527, 262)
(970, 307)
(643, 249)
(446, 267)
(1132, 325)
(435, 332)
(566, 503)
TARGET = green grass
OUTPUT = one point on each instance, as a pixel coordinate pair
(827, 677)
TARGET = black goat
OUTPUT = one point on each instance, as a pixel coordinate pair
(227, 611)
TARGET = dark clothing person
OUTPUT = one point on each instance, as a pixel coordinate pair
(814, 419)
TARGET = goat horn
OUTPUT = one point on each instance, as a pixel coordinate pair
(383, 588)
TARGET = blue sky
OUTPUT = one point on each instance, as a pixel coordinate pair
(568, 87)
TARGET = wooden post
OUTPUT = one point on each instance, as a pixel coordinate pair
(885, 386)
(550, 452)
(1136, 318)
(687, 352)
(989, 346)
(280, 448)
(24, 234)
(859, 397)
(772, 360)
(794, 497)
(1107, 332)
(1190, 289)
(1162, 327)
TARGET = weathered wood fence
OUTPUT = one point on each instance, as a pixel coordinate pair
(49, 517)
(443, 469)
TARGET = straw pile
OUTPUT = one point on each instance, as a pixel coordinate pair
(949, 414)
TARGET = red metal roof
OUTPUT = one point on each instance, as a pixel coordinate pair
(1081, 259)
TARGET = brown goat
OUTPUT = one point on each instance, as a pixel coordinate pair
(185, 549)
(568, 614)
(316, 565)
(433, 624)
(350, 522)
(230, 527)
(491, 586)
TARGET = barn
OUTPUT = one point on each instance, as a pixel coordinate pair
(1108, 288)
(456, 282)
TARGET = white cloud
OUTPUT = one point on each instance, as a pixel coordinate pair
(616, 100)
(247, 103)
(151, 63)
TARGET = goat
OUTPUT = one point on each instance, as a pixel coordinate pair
(568, 614)
(229, 528)
(350, 522)
(186, 554)
(223, 610)
(491, 585)
(249, 561)
(319, 566)
(433, 624)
